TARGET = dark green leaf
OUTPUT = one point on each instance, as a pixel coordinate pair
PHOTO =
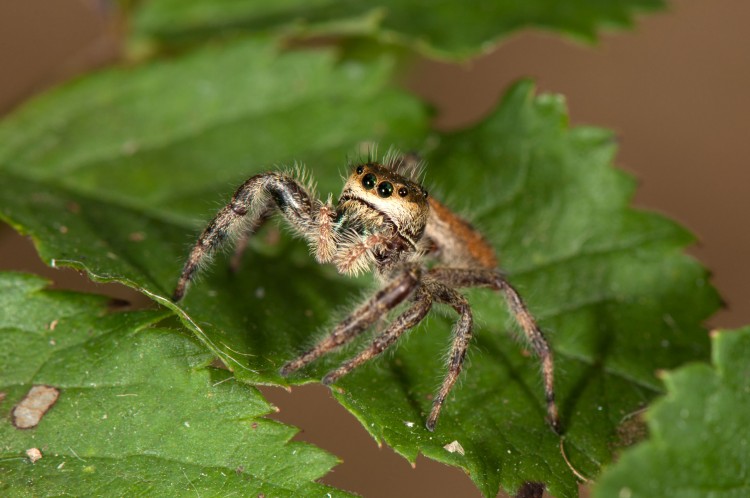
(610, 285)
(138, 413)
(698, 433)
(450, 28)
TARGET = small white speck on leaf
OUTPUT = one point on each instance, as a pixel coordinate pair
(260, 293)
(408, 424)
(454, 447)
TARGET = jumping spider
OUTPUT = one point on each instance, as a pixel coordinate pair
(420, 251)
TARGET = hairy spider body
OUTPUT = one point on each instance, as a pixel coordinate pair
(383, 222)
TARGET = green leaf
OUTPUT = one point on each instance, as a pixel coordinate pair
(698, 432)
(611, 285)
(447, 29)
(139, 410)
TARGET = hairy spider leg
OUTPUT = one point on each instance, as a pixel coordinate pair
(292, 200)
(462, 333)
(387, 298)
(265, 214)
(406, 321)
(480, 277)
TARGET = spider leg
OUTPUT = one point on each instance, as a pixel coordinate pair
(263, 216)
(406, 321)
(248, 205)
(479, 277)
(365, 315)
(324, 243)
(461, 337)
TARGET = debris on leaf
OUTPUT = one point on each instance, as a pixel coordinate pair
(455, 447)
(34, 454)
(33, 406)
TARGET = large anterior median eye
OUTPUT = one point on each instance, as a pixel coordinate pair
(369, 180)
(385, 189)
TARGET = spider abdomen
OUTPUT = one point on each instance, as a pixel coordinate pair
(454, 240)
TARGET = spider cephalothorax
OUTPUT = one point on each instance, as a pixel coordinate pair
(389, 209)
(384, 221)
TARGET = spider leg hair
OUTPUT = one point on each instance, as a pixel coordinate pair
(492, 278)
(462, 333)
(265, 214)
(406, 321)
(387, 298)
(248, 206)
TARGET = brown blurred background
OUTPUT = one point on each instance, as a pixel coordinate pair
(676, 90)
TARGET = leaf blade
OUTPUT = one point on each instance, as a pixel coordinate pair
(138, 409)
(697, 431)
(445, 30)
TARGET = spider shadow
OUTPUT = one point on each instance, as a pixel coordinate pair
(602, 348)
(406, 383)
(513, 370)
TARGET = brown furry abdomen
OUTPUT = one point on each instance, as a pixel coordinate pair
(453, 240)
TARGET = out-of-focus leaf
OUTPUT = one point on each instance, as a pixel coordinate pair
(138, 410)
(449, 29)
(698, 433)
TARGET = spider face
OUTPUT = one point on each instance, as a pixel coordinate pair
(376, 195)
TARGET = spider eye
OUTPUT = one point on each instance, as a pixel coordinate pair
(424, 192)
(385, 189)
(360, 169)
(403, 192)
(369, 180)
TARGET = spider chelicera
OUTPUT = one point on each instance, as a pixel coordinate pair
(420, 252)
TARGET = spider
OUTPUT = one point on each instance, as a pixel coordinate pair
(384, 221)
